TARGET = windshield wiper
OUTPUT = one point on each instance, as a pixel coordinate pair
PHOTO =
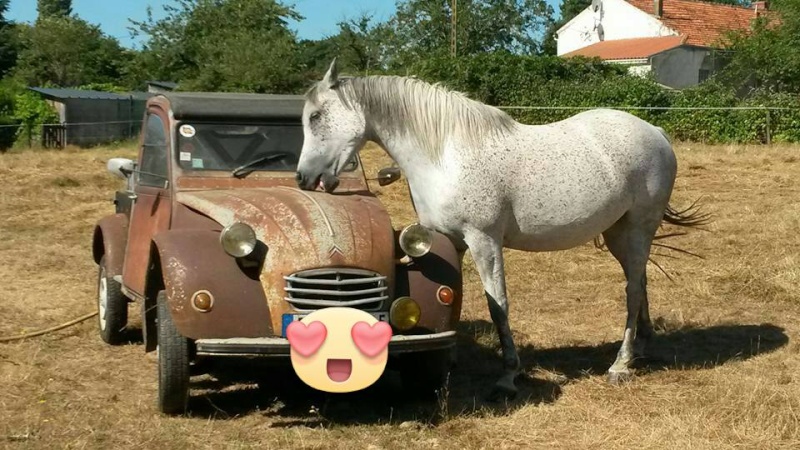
(247, 169)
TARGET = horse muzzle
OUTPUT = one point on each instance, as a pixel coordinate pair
(327, 182)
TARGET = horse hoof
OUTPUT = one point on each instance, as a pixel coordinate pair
(621, 377)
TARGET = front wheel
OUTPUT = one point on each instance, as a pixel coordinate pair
(112, 307)
(173, 362)
(426, 374)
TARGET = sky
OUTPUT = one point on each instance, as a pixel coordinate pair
(112, 15)
(320, 21)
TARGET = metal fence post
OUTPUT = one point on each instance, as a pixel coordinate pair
(769, 132)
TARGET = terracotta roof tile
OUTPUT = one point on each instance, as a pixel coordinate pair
(629, 48)
(703, 24)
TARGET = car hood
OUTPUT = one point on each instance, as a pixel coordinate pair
(305, 229)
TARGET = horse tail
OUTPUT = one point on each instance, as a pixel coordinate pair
(691, 217)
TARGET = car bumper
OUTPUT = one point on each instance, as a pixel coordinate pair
(279, 347)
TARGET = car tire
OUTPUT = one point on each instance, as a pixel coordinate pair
(426, 374)
(173, 362)
(112, 307)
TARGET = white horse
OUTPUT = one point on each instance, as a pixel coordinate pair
(488, 182)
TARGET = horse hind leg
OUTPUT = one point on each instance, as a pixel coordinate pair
(630, 240)
(487, 252)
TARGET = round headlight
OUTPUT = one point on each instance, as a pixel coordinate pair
(416, 240)
(404, 313)
(238, 240)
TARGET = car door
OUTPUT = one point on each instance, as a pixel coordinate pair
(152, 207)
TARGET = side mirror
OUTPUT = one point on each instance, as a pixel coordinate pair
(121, 167)
(388, 175)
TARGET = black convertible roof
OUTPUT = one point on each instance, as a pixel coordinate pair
(217, 105)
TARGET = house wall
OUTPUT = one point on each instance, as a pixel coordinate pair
(680, 67)
(620, 20)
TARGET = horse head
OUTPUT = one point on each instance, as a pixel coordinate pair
(333, 132)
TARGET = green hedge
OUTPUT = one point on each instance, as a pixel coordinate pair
(512, 80)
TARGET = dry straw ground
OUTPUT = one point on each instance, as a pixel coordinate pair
(724, 370)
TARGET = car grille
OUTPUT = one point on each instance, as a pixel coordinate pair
(321, 288)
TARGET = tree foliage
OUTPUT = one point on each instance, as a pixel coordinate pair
(8, 44)
(54, 8)
(67, 51)
(422, 28)
(232, 45)
(357, 46)
(769, 56)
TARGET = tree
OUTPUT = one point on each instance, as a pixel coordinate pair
(67, 51)
(8, 47)
(357, 47)
(54, 8)
(227, 45)
(767, 56)
(422, 28)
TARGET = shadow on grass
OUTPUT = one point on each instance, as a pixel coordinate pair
(275, 392)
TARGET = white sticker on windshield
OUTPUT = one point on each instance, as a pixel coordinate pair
(197, 163)
(188, 131)
(186, 156)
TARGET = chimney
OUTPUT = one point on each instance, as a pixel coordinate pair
(760, 7)
(658, 7)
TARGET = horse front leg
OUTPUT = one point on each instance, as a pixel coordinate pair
(487, 252)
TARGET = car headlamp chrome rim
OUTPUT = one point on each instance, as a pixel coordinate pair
(416, 240)
(238, 240)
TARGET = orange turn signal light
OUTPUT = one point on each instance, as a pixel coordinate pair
(446, 295)
(202, 301)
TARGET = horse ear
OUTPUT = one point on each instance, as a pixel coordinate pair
(331, 79)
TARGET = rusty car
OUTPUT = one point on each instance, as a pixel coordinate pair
(219, 251)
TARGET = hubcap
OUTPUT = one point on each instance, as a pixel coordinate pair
(102, 298)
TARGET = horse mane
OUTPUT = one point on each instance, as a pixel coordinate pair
(430, 113)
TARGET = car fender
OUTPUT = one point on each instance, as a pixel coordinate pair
(422, 279)
(192, 261)
(110, 239)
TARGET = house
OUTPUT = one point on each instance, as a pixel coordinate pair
(89, 118)
(682, 42)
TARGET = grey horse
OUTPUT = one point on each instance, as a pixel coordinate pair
(489, 182)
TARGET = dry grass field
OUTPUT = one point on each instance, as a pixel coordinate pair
(724, 369)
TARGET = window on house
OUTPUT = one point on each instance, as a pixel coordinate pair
(154, 171)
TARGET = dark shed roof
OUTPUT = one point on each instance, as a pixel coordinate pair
(62, 94)
(206, 106)
(170, 85)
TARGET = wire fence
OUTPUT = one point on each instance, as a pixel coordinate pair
(60, 135)
(711, 124)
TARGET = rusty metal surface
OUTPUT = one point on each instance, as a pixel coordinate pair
(193, 260)
(223, 180)
(151, 215)
(422, 280)
(110, 238)
(304, 230)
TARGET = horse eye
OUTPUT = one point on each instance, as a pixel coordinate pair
(314, 116)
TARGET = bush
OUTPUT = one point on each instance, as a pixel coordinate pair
(510, 80)
(8, 132)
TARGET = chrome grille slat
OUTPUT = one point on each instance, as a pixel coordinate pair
(335, 293)
(321, 288)
(313, 302)
(293, 279)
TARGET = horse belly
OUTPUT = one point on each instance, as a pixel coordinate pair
(561, 229)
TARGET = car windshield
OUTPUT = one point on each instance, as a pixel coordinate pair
(217, 146)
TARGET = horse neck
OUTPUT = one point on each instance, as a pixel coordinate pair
(412, 160)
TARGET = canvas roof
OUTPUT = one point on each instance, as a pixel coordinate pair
(206, 106)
